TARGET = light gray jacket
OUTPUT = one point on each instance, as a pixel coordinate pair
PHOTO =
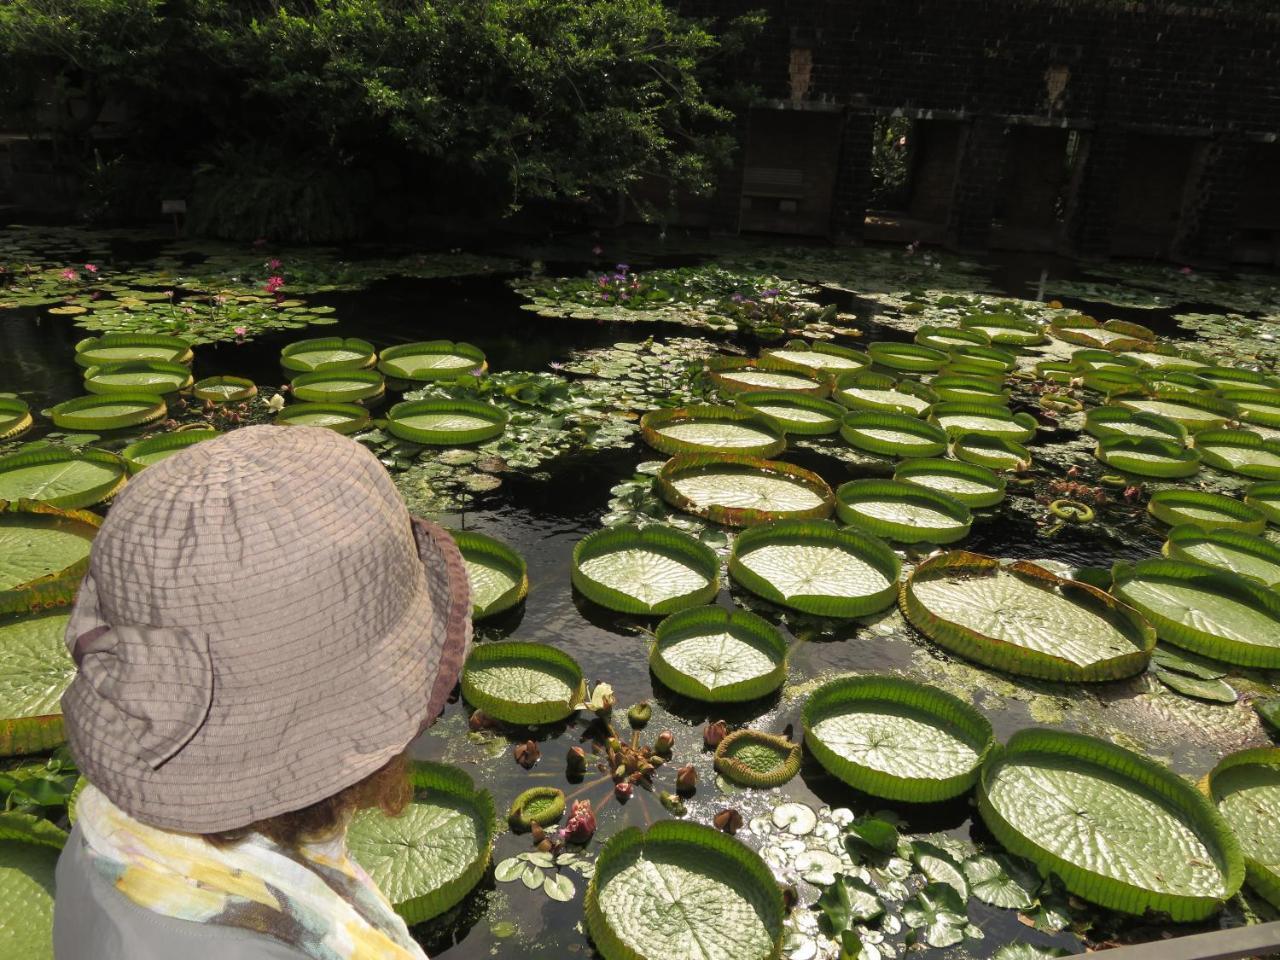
(92, 920)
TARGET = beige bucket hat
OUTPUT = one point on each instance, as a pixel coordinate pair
(262, 625)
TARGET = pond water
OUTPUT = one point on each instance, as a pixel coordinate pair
(544, 507)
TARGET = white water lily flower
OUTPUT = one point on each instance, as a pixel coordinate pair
(276, 403)
(601, 702)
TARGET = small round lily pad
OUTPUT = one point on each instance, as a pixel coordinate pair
(522, 683)
(718, 655)
(995, 453)
(498, 575)
(115, 348)
(446, 422)
(969, 483)
(328, 353)
(893, 435)
(157, 377)
(711, 429)
(340, 417)
(112, 411)
(752, 758)
(15, 417)
(906, 357)
(1212, 511)
(649, 571)
(338, 386)
(432, 360)
(225, 389)
(901, 511)
(1147, 456)
(540, 805)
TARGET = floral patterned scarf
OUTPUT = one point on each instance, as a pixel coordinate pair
(314, 898)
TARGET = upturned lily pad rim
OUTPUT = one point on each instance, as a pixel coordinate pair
(51, 455)
(357, 417)
(879, 381)
(177, 440)
(179, 372)
(740, 773)
(667, 541)
(1092, 357)
(969, 387)
(721, 374)
(1112, 448)
(537, 656)
(1207, 440)
(932, 335)
(937, 466)
(653, 422)
(85, 357)
(522, 821)
(1025, 423)
(932, 438)
(754, 399)
(58, 587)
(1217, 582)
(742, 624)
(992, 359)
(368, 354)
(75, 414)
(1099, 422)
(15, 417)
(1265, 398)
(310, 386)
(1223, 410)
(1188, 534)
(849, 494)
(1263, 877)
(822, 533)
(928, 703)
(1149, 777)
(1010, 657)
(1265, 498)
(388, 357)
(1166, 506)
(987, 451)
(491, 552)
(1014, 331)
(1239, 378)
(768, 359)
(684, 465)
(906, 357)
(496, 416)
(700, 842)
(204, 389)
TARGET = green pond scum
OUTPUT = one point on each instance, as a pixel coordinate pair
(795, 673)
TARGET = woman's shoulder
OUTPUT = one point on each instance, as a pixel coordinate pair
(94, 921)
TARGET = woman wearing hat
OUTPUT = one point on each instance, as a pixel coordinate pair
(262, 631)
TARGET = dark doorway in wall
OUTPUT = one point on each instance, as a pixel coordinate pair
(790, 171)
(1152, 195)
(1258, 234)
(892, 142)
(933, 169)
(1037, 169)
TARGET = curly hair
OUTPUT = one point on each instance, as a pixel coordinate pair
(387, 789)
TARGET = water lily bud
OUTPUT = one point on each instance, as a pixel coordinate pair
(674, 805)
(687, 779)
(576, 761)
(481, 721)
(728, 820)
(582, 823)
(639, 715)
(620, 772)
(527, 753)
(713, 733)
(601, 701)
(536, 832)
(546, 846)
(622, 791)
(665, 743)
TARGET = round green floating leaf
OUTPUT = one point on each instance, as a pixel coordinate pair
(225, 389)
(116, 348)
(26, 900)
(1255, 406)
(995, 453)
(649, 571)
(896, 738)
(522, 683)
(907, 357)
(432, 360)
(708, 429)
(1147, 457)
(980, 361)
(901, 511)
(1085, 360)
(1022, 619)
(446, 422)
(1095, 335)
(431, 856)
(15, 418)
(1240, 451)
(1162, 359)
(793, 412)
(1237, 378)
(745, 376)
(893, 434)
(682, 891)
(540, 805)
(740, 491)
(944, 338)
(338, 386)
(1212, 612)
(1114, 382)
(35, 669)
(328, 353)
(1123, 422)
(108, 412)
(498, 575)
(157, 377)
(816, 567)
(1056, 371)
(44, 552)
(754, 759)
(1212, 511)
(718, 655)
(1004, 330)
(1240, 553)
(969, 389)
(1194, 411)
(1265, 498)
(988, 420)
(1245, 787)
(817, 357)
(61, 477)
(972, 485)
(154, 449)
(867, 391)
(1117, 829)
(339, 417)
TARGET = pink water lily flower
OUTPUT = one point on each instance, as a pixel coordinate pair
(91, 268)
(241, 331)
(69, 274)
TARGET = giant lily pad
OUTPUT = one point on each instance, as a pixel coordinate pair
(225, 389)
(144, 453)
(26, 900)
(1246, 789)
(35, 669)
(793, 412)
(340, 417)
(906, 357)
(820, 357)
(15, 417)
(328, 353)
(994, 453)
(1164, 358)
(1192, 410)
(446, 422)
(1255, 406)
(989, 420)
(703, 429)
(893, 435)
(116, 348)
(896, 738)
(1121, 421)
(1116, 828)
(739, 491)
(718, 655)
(976, 360)
(645, 570)
(1240, 451)
(1212, 612)
(944, 338)
(741, 376)
(816, 567)
(1147, 456)
(1238, 378)
(61, 477)
(969, 389)
(1005, 330)
(44, 552)
(1022, 619)
(901, 511)
(431, 856)
(108, 412)
(140, 376)
(498, 575)
(969, 483)
(338, 386)
(1240, 553)
(1265, 498)
(1213, 511)
(880, 393)
(682, 891)
(522, 683)
(432, 360)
